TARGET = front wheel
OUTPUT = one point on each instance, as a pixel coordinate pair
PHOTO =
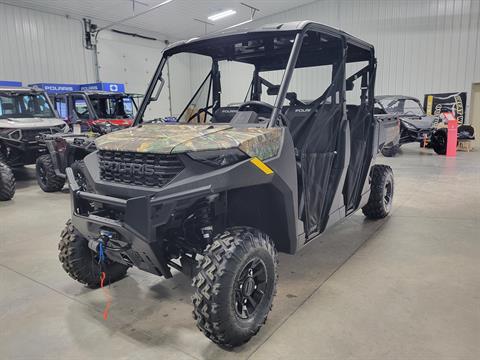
(235, 286)
(7, 182)
(439, 142)
(381, 193)
(81, 263)
(46, 177)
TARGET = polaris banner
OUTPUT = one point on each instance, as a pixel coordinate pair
(11, 83)
(52, 88)
(56, 88)
(435, 104)
(114, 87)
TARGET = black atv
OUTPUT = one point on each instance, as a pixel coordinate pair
(62, 151)
(415, 125)
(65, 150)
(217, 194)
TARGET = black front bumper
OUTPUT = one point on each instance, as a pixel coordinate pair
(134, 241)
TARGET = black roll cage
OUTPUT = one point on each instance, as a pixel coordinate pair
(192, 46)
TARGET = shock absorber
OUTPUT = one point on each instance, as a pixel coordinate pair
(204, 216)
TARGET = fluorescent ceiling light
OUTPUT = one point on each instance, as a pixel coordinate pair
(221, 15)
(239, 24)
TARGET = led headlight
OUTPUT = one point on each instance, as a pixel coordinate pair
(219, 158)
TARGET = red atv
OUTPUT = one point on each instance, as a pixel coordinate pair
(96, 110)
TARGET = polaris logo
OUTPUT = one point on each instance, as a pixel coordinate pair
(127, 168)
(303, 110)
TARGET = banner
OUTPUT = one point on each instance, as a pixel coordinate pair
(436, 104)
(114, 87)
(11, 83)
(52, 88)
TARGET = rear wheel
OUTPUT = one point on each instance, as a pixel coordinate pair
(81, 263)
(7, 183)
(390, 151)
(46, 177)
(381, 193)
(235, 286)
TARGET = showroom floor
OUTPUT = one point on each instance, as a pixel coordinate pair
(407, 287)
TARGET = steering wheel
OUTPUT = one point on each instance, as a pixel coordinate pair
(199, 112)
(255, 106)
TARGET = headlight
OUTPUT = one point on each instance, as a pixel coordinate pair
(219, 158)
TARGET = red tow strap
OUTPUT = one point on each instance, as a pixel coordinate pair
(107, 295)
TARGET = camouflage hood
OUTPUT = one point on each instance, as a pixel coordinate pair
(173, 139)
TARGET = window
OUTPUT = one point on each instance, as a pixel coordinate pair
(112, 107)
(61, 106)
(24, 105)
(80, 107)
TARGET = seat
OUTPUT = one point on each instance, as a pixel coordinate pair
(7, 108)
(224, 114)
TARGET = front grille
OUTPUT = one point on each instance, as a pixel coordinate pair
(138, 168)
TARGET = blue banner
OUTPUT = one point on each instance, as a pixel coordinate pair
(11, 83)
(104, 86)
(52, 88)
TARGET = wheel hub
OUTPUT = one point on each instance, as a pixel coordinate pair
(388, 194)
(43, 174)
(250, 288)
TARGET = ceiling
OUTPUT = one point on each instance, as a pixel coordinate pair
(174, 20)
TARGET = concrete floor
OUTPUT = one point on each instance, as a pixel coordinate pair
(407, 287)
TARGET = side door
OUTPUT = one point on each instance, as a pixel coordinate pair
(61, 105)
(360, 80)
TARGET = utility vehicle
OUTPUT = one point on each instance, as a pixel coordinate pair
(415, 125)
(217, 194)
(62, 151)
(24, 114)
(96, 110)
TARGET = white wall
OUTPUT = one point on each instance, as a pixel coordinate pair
(39, 47)
(422, 45)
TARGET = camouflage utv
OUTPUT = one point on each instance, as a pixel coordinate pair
(218, 193)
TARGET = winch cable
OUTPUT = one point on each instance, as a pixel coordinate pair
(103, 276)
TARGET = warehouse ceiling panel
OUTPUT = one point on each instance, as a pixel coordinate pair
(175, 19)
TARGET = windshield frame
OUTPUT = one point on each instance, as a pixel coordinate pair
(389, 100)
(287, 75)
